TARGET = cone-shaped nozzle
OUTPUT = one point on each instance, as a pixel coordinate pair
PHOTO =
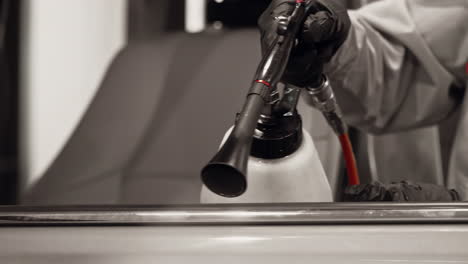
(226, 173)
(224, 180)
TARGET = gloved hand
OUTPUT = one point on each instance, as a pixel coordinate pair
(324, 31)
(399, 192)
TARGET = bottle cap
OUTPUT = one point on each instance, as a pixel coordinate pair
(277, 137)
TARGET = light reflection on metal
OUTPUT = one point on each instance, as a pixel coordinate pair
(241, 239)
(338, 213)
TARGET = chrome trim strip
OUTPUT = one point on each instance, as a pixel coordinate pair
(292, 214)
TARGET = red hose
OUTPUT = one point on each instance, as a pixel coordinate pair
(353, 176)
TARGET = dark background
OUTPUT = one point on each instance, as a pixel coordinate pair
(9, 43)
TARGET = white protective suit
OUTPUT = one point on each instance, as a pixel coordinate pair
(403, 67)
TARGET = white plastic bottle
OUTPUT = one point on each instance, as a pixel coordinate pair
(296, 177)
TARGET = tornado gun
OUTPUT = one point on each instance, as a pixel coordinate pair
(226, 173)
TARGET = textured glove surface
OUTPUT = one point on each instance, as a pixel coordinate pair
(324, 31)
(399, 192)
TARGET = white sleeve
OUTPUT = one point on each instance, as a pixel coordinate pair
(401, 61)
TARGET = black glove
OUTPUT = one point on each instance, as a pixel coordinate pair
(324, 31)
(399, 192)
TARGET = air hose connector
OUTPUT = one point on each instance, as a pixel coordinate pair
(323, 99)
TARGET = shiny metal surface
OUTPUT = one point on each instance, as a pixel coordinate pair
(313, 244)
(285, 214)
